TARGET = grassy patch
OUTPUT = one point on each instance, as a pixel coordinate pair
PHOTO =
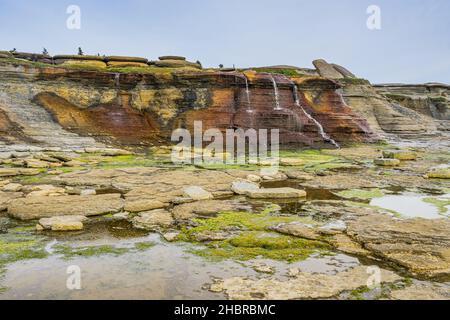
(126, 161)
(286, 72)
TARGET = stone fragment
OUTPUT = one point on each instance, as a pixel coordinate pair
(442, 172)
(11, 172)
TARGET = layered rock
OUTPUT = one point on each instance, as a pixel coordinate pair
(145, 108)
(430, 99)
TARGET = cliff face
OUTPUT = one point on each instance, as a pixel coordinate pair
(70, 107)
(431, 100)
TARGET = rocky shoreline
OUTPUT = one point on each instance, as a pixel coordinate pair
(86, 178)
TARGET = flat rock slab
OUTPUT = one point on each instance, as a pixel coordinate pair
(10, 172)
(276, 193)
(242, 187)
(62, 223)
(303, 286)
(197, 193)
(419, 245)
(43, 207)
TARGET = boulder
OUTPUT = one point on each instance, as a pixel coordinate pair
(275, 193)
(197, 193)
(153, 220)
(42, 206)
(344, 71)
(62, 223)
(400, 154)
(386, 162)
(326, 70)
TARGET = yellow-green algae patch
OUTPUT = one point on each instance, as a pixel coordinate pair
(440, 203)
(253, 240)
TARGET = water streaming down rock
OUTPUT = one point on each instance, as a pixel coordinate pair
(247, 92)
(322, 132)
(275, 91)
(117, 85)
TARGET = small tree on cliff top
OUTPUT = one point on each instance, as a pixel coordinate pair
(80, 52)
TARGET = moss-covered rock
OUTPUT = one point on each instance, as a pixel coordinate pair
(400, 154)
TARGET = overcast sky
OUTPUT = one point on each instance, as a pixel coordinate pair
(413, 45)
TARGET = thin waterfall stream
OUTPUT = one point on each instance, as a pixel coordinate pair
(117, 85)
(276, 94)
(247, 92)
(322, 132)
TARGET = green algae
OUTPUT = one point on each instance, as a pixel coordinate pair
(440, 203)
(257, 244)
(143, 246)
(254, 239)
(69, 252)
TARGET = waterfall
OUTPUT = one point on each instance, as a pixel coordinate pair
(247, 92)
(322, 132)
(117, 84)
(275, 90)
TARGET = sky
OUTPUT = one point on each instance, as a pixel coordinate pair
(412, 46)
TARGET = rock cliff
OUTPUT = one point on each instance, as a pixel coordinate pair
(75, 105)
